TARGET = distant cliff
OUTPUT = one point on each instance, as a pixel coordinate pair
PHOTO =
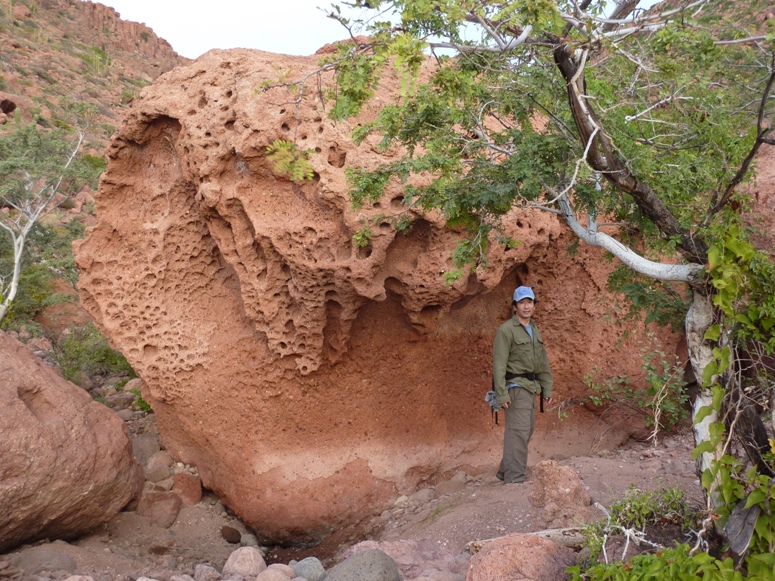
(52, 50)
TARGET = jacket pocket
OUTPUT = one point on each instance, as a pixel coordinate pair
(522, 351)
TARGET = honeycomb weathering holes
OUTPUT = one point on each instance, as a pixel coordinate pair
(336, 156)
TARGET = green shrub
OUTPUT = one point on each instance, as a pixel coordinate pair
(663, 403)
(84, 349)
(640, 510)
(675, 564)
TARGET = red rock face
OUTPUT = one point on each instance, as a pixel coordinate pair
(762, 192)
(311, 380)
(66, 464)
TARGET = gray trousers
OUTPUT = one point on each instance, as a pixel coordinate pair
(520, 422)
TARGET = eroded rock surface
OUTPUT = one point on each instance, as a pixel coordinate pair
(523, 557)
(560, 496)
(311, 380)
(66, 464)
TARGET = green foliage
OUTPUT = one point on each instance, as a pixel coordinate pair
(661, 302)
(140, 402)
(492, 130)
(84, 349)
(47, 256)
(96, 60)
(35, 292)
(94, 166)
(744, 280)
(366, 186)
(664, 401)
(637, 510)
(676, 564)
(735, 483)
(640, 509)
(288, 160)
(357, 77)
(362, 237)
(35, 166)
(27, 153)
(450, 276)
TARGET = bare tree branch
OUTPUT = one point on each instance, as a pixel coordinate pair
(761, 137)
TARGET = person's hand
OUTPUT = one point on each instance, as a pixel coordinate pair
(505, 405)
(548, 400)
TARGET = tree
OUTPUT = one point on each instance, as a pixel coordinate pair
(649, 118)
(39, 170)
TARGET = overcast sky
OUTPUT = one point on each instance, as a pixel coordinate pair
(193, 27)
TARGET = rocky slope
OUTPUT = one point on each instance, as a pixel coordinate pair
(54, 51)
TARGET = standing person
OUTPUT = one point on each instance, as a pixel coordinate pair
(520, 369)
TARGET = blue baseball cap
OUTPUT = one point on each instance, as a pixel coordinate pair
(523, 292)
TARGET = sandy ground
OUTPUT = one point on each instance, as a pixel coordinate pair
(453, 513)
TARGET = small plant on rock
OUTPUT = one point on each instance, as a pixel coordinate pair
(289, 160)
(362, 237)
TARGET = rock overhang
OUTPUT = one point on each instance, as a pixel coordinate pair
(309, 379)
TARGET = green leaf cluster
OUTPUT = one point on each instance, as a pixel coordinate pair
(493, 130)
(289, 160)
(357, 77)
(676, 564)
(362, 238)
(140, 402)
(744, 280)
(661, 302)
(737, 484)
(32, 158)
(47, 256)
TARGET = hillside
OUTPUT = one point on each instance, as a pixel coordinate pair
(55, 50)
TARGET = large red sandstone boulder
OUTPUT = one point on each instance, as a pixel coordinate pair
(66, 463)
(523, 557)
(311, 380)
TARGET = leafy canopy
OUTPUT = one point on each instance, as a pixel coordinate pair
(493, 127)
(651, 119)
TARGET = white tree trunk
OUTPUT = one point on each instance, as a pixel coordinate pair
(9, 292)
(658, 270)
(699, 319)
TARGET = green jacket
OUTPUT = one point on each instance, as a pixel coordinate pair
(513, 351)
